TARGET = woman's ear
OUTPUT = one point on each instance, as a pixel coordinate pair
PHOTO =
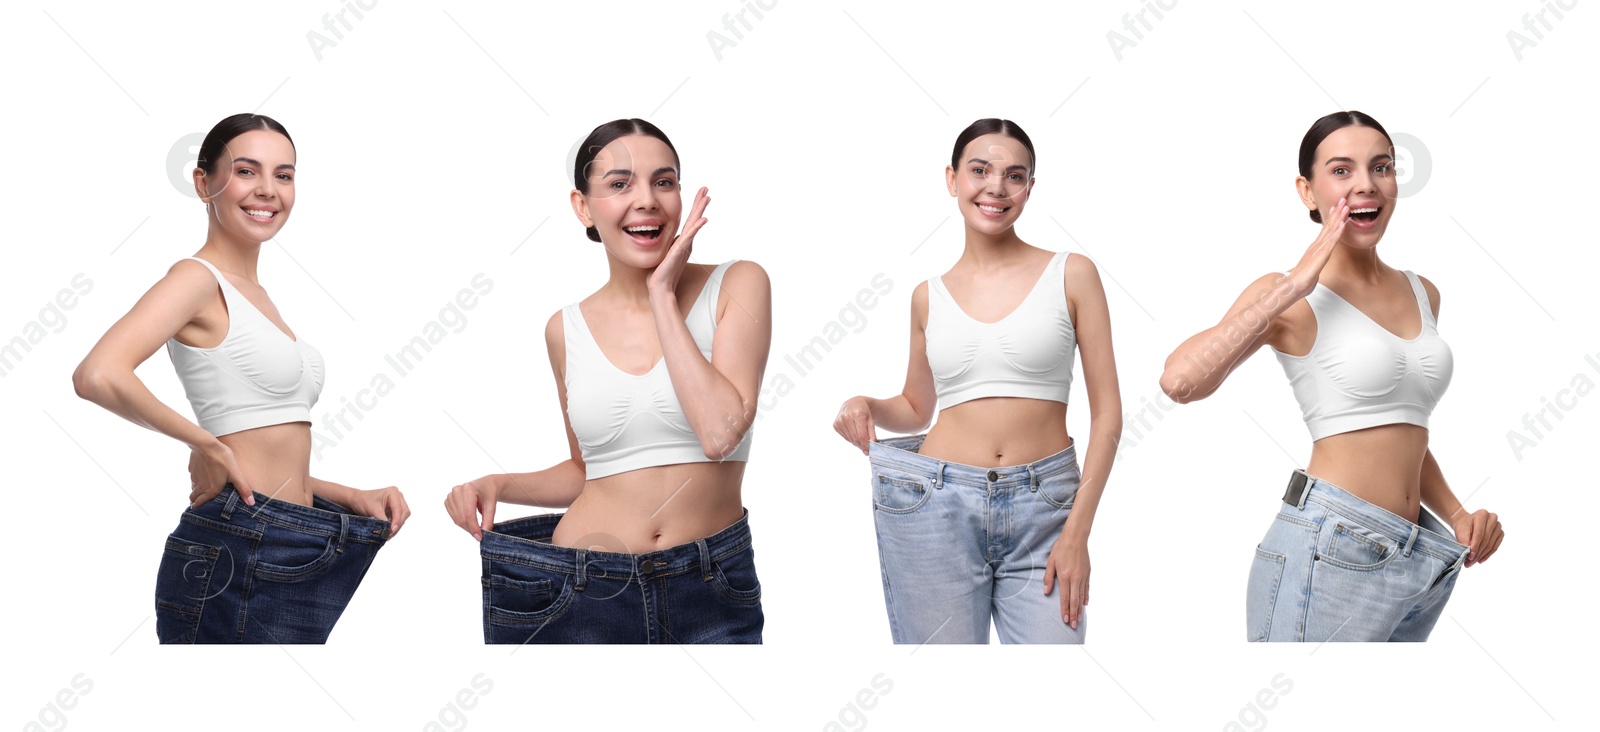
(200, 191)
(1303, 187)
(580, 207)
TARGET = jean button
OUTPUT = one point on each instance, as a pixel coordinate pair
(993, 476)
(647, 567)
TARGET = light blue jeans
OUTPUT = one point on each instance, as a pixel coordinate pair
(1338, 568)
(961, 545)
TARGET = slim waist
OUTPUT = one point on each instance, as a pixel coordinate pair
(901, 453)
(527, 541)
(322, 517)
(1431, 535)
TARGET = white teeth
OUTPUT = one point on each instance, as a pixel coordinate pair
(1363, 210)
(641, 229)
(991, 209)
(259, 214)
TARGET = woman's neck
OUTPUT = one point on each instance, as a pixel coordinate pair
(988, 252)
(231, 255)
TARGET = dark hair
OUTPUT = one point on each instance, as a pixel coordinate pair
(604, 135)
(1321, 129)
(229, 128)
(992, 126)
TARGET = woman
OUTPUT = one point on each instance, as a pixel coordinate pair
(279, 565)
(657, 373)
(1352, 554)
(987, 516)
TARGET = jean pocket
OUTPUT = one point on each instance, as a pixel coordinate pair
(183, 584)
(1061, 489)
(897, 491)
(517, 602)
(1261, 597)
(1352, 547)
(312, 554)
(735, 579)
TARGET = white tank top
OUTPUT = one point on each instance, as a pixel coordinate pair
(1359, 375)
(1028, 353)
(257, 375)
(624, 421)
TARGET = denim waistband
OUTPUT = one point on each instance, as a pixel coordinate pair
(1429, 535)
(901, 453)
(527, 541)
(321, 517)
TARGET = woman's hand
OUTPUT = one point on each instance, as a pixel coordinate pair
(211, 467)
(472, 498)
(1479, 531)
(664, 278)
(382, 503)
(1069, 563)
(854, 423)
(1309, 269)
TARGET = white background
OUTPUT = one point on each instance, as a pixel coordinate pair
(433, 142)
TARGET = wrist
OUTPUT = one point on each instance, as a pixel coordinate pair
(491, 484)
(661, 297)
(1075, 533)
(209, 446)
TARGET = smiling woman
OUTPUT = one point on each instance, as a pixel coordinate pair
(658, 374)
(985, 518)
(298, 550)
(1354, 553)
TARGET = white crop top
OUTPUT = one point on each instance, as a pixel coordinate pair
(257, 375)
(1028, 353)
(1359, 375)
(624, 421)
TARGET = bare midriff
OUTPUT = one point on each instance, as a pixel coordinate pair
(994, 432)
(653, 508)
(276, 459)
(1380, 465)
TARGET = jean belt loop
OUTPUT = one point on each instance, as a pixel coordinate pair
(705, 560)
(1412, 539)
(227, 506)
(938, 481)
(344, 531)
(1310, 481)
(1033, 478)
(582, 560)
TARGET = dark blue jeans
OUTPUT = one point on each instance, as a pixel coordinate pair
(704, 591)
(275, 572)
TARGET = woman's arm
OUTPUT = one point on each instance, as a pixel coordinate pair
(1202, 363)
(719, 397)
(106, 375)
(384, 503)
(913, 408)
(1069, 558)
(1479, 530)
(554, 487)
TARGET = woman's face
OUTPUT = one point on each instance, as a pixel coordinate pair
(992, 182)
(251, 189)
(1355, 163)
(633, 199)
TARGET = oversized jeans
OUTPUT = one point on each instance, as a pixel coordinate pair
(1335, 567)
(704, 591)
(961, 545)
(275, 572)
